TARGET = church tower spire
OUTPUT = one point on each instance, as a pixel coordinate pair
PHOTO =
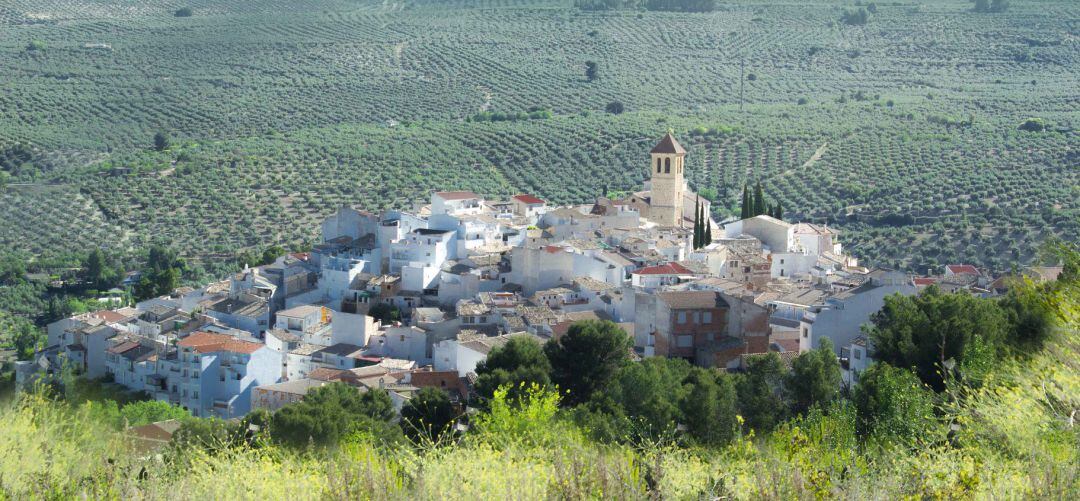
(668, 183)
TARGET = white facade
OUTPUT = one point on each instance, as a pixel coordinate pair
(841, 317)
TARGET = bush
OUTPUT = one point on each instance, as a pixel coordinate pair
(330, 413)
(614, 107)
(428, 416)
(1033, 125)
(35, 45)
(184, 12)
(708, 408)
(815, 377)
(855, 17)
(161, 141)
(385, 313)
(892, 402)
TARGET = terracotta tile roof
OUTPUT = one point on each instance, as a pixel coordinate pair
(693, 300)
(110, 316)
(668, 144)
(456, 195)
(664, 269)
(528, 199)
(122, 347)
(326, 374)
(963, 269)
(923, 281)
(208, 342)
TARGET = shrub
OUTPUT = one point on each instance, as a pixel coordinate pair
(614, 107)
(184, 12)
(815, 377)
(855, 17)
(428, 416)
(892, 402)
(1033, 125)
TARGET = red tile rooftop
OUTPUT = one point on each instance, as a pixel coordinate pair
(962, 269)
(209, 342)
(528, 199)
(664, 269)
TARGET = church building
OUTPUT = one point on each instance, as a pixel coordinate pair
(667, 200)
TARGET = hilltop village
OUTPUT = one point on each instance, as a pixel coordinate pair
(406, 300)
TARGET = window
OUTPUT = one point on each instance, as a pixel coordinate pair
(403, 338)
(805, 333)
(697, 317)
(682, 317)
(667, 165)
(707, 317)
(657, 165)
(781, 261)
(857, 354)
(685, 341)
(195, 395)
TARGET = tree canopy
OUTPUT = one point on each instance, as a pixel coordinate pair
(892, 401)
(428, 416)
(815, 377)
(520, 361)
(762, 401)
(330, 413)
(586, 358)
(927, 331)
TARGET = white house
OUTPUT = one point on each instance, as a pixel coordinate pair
(456, 203)
(219, 371)
(528, 206)
(654, 277)
(842, 315)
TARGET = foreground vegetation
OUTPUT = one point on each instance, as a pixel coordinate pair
(999, 427)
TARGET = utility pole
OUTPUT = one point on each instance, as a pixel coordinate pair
(742, 81)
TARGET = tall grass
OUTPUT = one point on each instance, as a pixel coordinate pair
(1014, 437)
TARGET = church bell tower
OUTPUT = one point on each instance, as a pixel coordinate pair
(668, 184)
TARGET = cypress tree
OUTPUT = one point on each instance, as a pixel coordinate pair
(759, 201)
(697, 224)
(707, 239)
(701, 227)
(745, 203)
(779, 211)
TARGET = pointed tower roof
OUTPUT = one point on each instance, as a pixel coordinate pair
(668, 145)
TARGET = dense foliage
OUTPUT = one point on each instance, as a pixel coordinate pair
(896, 438)
(935, 332)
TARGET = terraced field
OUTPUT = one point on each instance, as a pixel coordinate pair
(281, 111)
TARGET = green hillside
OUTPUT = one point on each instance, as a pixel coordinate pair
(281, 111)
